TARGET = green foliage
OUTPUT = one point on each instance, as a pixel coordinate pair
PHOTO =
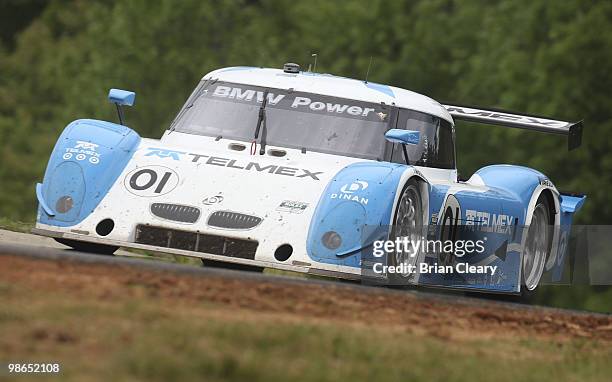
(541, 57)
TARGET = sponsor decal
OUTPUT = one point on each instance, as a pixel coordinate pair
(236, 164)
(292, 206)
(163, 153)
(382, 116)
(83, 151)
(301, 103)
(434, 218)
(349, 191)
(151, 181)
(417, 172)
(505, 117)
(546, 182)
(210, 200)
(354, 110)
(353, 187)
(248, 95)
(86, 146)
(498, 223)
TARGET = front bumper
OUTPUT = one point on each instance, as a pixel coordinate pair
(293, 266)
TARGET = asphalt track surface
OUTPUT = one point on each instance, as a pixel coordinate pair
(36, 247)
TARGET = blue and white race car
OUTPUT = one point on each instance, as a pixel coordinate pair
(304, 172)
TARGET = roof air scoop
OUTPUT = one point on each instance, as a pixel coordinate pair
(291, 68)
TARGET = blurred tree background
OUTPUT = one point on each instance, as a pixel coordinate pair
(59, 58)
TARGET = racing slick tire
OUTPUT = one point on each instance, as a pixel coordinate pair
(407, 222)
(537, 246)
(83, 246)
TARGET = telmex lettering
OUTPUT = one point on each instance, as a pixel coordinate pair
(254, 166)
(507, 117)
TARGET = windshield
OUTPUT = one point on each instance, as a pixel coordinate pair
(299, 120)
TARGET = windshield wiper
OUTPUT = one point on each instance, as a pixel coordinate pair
(261, 124)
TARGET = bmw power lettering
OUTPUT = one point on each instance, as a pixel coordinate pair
(308, 172)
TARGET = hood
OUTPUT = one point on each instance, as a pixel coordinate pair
(221, 174)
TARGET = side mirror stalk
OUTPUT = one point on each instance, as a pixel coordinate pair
(405, 154)
(119, 98)
(120, 114)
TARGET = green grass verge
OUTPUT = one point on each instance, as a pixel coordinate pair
(142, 338)
(17, 226)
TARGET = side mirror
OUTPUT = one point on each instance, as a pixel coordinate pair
(119, 98)
(407, 137)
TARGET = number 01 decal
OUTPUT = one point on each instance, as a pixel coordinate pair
(151, 181)
(451, 215)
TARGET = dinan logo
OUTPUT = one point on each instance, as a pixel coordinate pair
(349, 191)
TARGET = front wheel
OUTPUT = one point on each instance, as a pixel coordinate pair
(84, 246)
(407, 224)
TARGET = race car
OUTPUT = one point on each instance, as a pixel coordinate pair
(307, 172)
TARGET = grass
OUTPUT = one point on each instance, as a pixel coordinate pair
(14, 225)
(139, 337)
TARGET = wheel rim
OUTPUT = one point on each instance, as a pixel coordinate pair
(408, 223)
(536, 247)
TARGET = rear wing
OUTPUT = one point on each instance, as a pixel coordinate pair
(573, 130)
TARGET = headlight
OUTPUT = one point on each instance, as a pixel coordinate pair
(64, 204)
(331, 240)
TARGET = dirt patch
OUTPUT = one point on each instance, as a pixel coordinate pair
(440, 318)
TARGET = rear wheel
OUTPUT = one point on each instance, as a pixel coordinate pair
(84, 246)
(537, 245)
(407, 223)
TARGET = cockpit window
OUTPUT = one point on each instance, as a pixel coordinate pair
(436, 146)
